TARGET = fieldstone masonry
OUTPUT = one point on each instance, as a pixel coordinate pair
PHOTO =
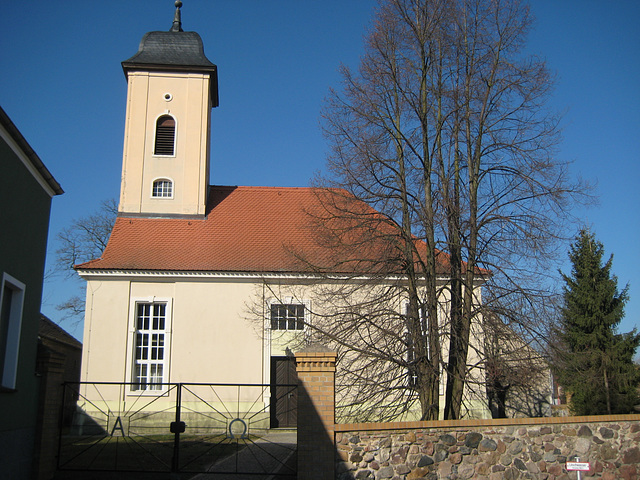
(509, 449)
(492, 451)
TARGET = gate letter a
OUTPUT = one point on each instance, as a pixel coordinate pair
(118, 426)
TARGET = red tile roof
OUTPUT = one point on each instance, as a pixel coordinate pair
(247, 229)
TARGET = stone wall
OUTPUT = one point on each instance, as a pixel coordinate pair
(490, 449)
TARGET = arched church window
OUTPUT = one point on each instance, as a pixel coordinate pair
(162, 188)
(165, 135)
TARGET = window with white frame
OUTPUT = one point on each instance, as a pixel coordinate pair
(11, 303)
(412, 377)
(149, 355)
(287, 316)
(162, 188)
(165, 136)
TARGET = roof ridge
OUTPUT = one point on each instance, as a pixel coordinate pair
(261, 187)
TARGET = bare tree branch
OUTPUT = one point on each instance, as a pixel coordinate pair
(85, 239)
(444, 129)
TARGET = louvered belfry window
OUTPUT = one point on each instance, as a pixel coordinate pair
(165, 135)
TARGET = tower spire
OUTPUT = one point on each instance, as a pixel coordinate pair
(177, 19)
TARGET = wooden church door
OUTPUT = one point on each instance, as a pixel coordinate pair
(284, 396)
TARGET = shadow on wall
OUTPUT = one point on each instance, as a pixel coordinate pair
(316, 367)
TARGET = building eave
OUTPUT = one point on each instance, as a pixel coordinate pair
(113, 274)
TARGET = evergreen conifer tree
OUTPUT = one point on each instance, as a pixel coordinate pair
(594, 362)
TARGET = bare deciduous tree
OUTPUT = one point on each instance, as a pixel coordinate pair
(444, 130)
(517, 374)
(85, 239)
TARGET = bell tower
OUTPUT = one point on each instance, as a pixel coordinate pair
(172, 87)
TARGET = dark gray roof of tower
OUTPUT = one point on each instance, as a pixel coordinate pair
(174, 50)
(171, 49)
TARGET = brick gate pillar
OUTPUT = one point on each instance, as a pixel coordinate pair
(316, 367)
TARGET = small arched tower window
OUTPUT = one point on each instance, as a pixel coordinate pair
(165, 135)
(162, 188)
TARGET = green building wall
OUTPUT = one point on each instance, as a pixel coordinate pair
(25, 206)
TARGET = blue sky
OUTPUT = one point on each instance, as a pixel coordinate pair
(63, 87)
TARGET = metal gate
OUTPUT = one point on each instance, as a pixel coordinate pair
(218, 429)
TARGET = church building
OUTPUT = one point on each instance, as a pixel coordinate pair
(198, 283)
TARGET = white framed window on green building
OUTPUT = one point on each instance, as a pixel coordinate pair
(11, 305)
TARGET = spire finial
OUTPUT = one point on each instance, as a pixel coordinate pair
(177, 20)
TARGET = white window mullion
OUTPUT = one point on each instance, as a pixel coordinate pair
(149, 346)
(287, 316)
(162, 188)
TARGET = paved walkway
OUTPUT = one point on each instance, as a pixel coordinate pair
(275, 451)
